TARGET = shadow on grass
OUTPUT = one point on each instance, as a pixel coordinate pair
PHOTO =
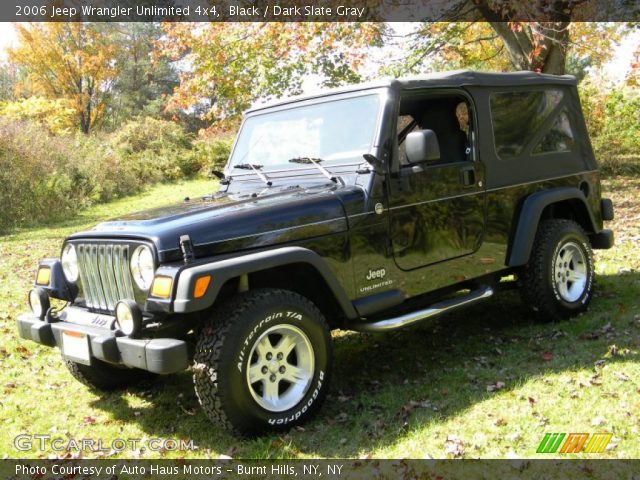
(449, 362)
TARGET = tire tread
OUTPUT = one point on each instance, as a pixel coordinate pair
(208, 359)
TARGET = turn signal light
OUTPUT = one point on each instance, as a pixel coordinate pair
(161, 287)
(44, 276)
(202, 284)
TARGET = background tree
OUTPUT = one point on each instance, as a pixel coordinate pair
(146, 80)
(73, 61)
(230, 65)
(8, 79)
(500, 35)
(481, 45)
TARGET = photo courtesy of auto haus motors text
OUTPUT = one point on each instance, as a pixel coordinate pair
(106, 470)
(296, 239)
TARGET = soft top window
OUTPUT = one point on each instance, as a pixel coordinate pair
(517, 118)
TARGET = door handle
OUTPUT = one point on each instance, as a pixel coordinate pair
(468, 176)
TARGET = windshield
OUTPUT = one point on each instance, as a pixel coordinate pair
(332, 132)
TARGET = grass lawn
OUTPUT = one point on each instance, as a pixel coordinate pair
(486, 382)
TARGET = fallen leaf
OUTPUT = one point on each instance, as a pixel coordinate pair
(341, 417)
(454, 446)
(532, 401)
(89, 420)
(24, 351)
(500, 422)
(622, 376)
(343, 398)
(495, 386)
(188, 412)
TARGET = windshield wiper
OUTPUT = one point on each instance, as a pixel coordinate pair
(220, 176)
(255, 168)
(315, 163)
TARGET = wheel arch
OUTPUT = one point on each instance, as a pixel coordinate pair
(291, 268)
(564, 202)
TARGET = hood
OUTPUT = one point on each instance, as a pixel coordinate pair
(228, 222)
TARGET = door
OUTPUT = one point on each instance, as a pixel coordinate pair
(436, 208)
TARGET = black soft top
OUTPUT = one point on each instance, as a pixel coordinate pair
(450, 79)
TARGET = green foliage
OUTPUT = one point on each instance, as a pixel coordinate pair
(146, 78)
(8, 77)
(156, 149)
(213, 153)
(47, 177)
(614, 126)
(57, 115)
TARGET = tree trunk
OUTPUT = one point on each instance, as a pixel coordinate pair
(537, 46)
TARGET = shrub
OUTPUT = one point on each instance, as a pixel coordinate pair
(613, 121)
(34, 183)
(212, 153)
(156, 149)
(46, 177)
(56, 115)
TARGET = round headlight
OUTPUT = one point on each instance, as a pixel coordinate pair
(142, 267)
(69, 262)
(39, 302)
(128, 317)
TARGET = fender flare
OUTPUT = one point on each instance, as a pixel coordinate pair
(529, 218)
(223, 270)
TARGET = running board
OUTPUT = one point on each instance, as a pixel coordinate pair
(414, 317)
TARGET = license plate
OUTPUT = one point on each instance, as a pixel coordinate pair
(75, 346)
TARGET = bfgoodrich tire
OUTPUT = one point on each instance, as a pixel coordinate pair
(262, 362)
(557, 282)
(102, 376)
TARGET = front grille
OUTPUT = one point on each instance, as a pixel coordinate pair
(105, 274)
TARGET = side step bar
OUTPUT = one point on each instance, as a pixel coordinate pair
(414, 317)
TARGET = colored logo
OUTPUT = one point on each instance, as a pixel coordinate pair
(574, 443)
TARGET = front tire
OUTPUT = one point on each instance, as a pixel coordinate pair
(262, 362)
(557, 282)
(105, 377)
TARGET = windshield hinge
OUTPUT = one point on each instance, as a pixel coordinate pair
(187, 249)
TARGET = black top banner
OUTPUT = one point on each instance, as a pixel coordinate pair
(317, 10)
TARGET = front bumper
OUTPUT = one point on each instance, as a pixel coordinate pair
(158, 355)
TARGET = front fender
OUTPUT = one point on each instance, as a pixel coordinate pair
(229, 268)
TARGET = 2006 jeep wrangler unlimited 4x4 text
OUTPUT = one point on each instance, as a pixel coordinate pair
(370, 208)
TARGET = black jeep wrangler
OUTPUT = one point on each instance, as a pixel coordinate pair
(369, 208)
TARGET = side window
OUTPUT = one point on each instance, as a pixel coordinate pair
(406, 125)
(559, 138)
(517, 117)
(447, 116)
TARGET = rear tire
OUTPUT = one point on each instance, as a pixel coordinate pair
(262, 362)
(103, 376)
(557, 282)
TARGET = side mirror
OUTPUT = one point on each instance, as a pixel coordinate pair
(422, 146)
